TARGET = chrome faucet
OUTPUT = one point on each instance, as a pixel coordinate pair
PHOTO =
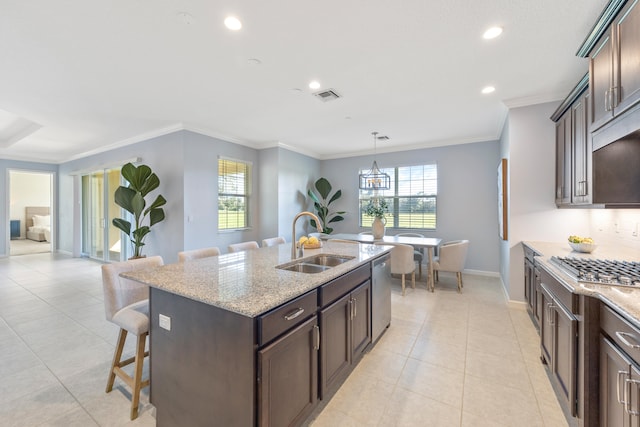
(294, 242)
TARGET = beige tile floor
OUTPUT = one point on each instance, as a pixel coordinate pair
(448, 359)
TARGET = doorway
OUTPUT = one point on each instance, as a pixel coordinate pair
(100, 239)
(31, 213)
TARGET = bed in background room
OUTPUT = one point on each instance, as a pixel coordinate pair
(38, 223)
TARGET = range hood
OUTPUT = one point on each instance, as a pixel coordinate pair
(616, 162)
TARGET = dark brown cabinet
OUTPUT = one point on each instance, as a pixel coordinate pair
(617, 375)
(581, 164)
(573, 148)
(619, 370)
(346, 333)
(614, 67)
(559, 337)
(531, 291)
(563, 159)
(288, 376)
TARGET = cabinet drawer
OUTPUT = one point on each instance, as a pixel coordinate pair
(281, 319)
(559, 292)
(626, 336)
(343, 284)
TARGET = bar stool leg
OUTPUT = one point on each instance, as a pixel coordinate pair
(117, 355)
(137, 375)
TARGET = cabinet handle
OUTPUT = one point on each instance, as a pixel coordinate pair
(293, 314)
(355, 307)
(614, 98)
(606, 99)
(316, 331)
(627, 403)
(622, 336)
(622, 402)
(550, 307)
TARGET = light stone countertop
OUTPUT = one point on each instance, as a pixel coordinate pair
(247, 282)
(625, 300)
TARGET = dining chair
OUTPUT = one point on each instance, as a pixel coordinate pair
(243, 246)
(273, 241)
(126, 304)
(418, 254)
(402, 262)
(451, 257)
(198, 253)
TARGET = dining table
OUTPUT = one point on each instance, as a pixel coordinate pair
(417, 242)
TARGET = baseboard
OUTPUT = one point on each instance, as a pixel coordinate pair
(517, 305)
(63, 252)
(481, 273)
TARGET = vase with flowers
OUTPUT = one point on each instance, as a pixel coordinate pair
(377, 208)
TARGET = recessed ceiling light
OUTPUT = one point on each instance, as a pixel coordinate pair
(488, 89)
(492, 33)
(314, 84)
(232, 23)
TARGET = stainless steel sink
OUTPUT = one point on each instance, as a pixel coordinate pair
(303, 267)
(315, 264)
(328, 259)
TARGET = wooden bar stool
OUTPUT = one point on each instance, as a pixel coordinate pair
(126, 304)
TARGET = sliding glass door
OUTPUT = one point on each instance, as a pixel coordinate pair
(100, 239)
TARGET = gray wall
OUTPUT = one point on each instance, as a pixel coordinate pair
(533, 214)
(467, 194)
(200, 171)
(5, 166)
(165, 157)
(296, 174)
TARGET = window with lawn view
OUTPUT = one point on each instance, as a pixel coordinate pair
(233, 194)
(411, 198)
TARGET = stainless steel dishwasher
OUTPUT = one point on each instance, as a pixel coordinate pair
(380, 296)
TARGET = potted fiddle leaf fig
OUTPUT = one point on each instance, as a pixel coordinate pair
(321, 202)
(131, 198)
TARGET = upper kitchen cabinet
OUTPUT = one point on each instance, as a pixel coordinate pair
(573, 148)
(614, 66)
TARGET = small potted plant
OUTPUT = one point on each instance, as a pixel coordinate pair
(377, 208)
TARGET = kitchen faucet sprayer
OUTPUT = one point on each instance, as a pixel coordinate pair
(293, 231)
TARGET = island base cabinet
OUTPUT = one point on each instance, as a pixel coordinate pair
(346, 333)
(288, 377)
(201, 375)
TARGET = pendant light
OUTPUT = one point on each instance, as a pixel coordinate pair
(375, 179)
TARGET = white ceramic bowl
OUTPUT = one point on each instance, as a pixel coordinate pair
(583, 247)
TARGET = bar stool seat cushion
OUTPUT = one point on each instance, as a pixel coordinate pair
(133, 318)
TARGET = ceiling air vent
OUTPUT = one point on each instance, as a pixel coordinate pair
(327, 95)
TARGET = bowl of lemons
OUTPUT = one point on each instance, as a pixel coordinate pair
(582, 244)
(310, 242)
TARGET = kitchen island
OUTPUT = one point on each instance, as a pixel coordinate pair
(235, 341)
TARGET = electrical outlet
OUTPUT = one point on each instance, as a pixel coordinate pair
(165, 322)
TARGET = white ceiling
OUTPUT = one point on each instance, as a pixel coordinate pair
(96, 75)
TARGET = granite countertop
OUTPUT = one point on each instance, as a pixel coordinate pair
(247, 282)
(625, 300)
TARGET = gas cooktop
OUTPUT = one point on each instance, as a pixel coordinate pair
(601, 271)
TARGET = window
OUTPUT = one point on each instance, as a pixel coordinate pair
(233, 194)
(411, 198)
